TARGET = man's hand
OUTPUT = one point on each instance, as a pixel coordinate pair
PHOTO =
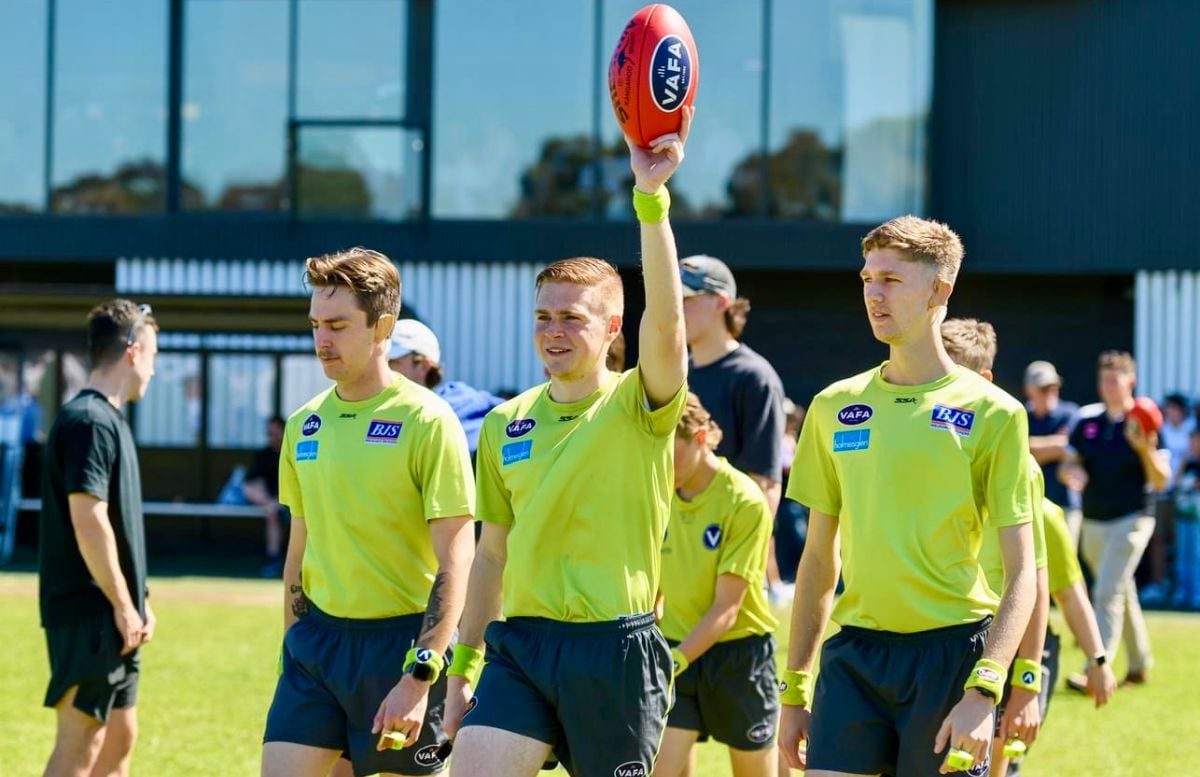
(794, 724)
(1101, 683)
(458, 700)
(1139, 439)
(130, 626)
(1073, 476)
(652, 167)
(151, 624)
(968, 727)
(1022, 717)
(402, 711)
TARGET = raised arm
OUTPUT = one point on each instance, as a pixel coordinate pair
(662, 346)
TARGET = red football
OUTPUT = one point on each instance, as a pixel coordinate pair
(1147, 414)
(653, 73)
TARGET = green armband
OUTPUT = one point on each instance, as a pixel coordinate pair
(680, 661)
(467, 663)
(988, 678)
(1027, 674)
(651, 208)
(424, 664)
(795, 689)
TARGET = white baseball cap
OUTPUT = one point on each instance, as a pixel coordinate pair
(411, 336)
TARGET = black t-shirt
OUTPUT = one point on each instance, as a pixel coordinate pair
(744, 395)
(1057, 421)
(266, 468)
(1116, 483)
(89, 450)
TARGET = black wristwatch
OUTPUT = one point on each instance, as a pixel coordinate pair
(986, 692)
(1100, 660)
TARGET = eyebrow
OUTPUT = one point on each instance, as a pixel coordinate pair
(333, 320)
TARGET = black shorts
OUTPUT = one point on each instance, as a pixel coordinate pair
(597, 693)
(730, 694)
(336, 673)
(87, 654)
(881, 697)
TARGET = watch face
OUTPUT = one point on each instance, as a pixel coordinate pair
(422, 671)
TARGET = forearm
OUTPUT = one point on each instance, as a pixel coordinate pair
(816, 581)
(98, 546)
(295, 603)
(1034, 640)
(716, 622)
(1158, 471)
(1048, 448)
(485, 587)
(257, 494)
(1012, 618)
(1081, 618)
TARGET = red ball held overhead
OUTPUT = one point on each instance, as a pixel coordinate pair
(653, 73)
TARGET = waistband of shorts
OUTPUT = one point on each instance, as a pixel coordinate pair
(626, 624)
(410, 621)
(733, 644)
(945, 633)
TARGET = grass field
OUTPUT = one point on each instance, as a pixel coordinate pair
(208, 678)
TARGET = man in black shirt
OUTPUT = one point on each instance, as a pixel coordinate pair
(92, 553)
(1050, 420)
(261, 488)
(739, 388)
(1114, 462)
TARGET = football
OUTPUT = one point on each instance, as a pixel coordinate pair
(653, 73)
(1147, 414)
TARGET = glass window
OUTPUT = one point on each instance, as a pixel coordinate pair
(75, 374)
(110, 106)
(850, 90)
(513, 136)
(303, 379)
(719, 178)
(23, 105)
(235, 96)
(358, 172)
(169, 415)
(350, 59)
(241, 397)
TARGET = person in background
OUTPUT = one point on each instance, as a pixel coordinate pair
(261, 487)
(1187, 528)
(791, 519)
(1154, 588)
(1050, 420)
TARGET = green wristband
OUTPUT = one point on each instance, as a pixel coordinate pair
(1027, 674)
(795, 689)
(680, 661)
(651, 208)
(988, 677)
(467, 663)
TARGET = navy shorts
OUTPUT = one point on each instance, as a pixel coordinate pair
(336, 673)
(730, 694)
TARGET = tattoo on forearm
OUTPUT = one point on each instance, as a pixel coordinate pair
(299, 600)
(433, 612)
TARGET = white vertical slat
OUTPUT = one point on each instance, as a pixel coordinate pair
(1154, 381)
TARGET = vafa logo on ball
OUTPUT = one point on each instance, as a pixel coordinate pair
(670, 73)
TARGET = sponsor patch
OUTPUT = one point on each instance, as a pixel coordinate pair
(306, 450)
(854, 415)
(383, 432)
(1091, 430)
(520, 427)
(905, 400)
(1028, 677)
(954, 418)
(429, 755)
(984, 673)
(761, 732)
(311, 425)
(670, 73)
(516, 451)
(631, 769)
(851, 440)
(712, 536)
(983, 769)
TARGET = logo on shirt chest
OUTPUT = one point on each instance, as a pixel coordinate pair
(851, 440)
(854, 415)
(306, 450)
(516, 451)
(311, 425)
(712, 536)
(954, 418)
(520, 427)
(383, 432)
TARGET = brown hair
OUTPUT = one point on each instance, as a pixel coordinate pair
(1120, 361)
(590, 272)
(922, 240)
(735, 317)
(694, 418)
(615, 360)
(111, 327)
(434, 376)
(371, 276)
(970, 342)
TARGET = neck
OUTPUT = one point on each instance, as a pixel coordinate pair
(1119, 407)
(113, 385)
(712, 346)
(370, 382)
(572, 388)
(700, 478)
(919, 361)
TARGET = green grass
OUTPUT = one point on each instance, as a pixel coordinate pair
(209, 675)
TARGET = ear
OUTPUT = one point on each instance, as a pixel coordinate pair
(614, 325)
(384, 327)
(701, 437)
(991, 376)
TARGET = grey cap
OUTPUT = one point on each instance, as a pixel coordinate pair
(706, 275)
(1042, 374)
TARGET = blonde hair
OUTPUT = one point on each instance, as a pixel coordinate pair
(591, 273)
(921, 240)
(1120, 361)
(694, 418)
(970, 342)
(371, 276)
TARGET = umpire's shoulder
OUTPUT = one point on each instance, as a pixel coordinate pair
(846, 388)
(509, 410)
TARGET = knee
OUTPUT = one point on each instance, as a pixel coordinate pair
(122, 736)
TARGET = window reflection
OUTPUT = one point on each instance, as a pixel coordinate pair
(241, 391)
(303, 379)
(358, 172)
(169, 414)
(110, 106)
(351, 59)
(23, 105)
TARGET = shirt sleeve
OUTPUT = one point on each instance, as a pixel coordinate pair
(289, 483)
(744, 552)
(444, 469)
(660, 422)
(814, 480)
(1007, 490)
(494, 504)
(89, 451)
(760, 418)
(1062, 563)
(1037, 496)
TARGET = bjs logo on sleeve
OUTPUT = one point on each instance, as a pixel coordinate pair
(383, 432)
(954, 418)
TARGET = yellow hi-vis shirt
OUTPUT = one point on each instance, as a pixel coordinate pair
(1062, 562)
(585, 488)
(366, 477)
(991, 558)
(911, 472)
(723, 530)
